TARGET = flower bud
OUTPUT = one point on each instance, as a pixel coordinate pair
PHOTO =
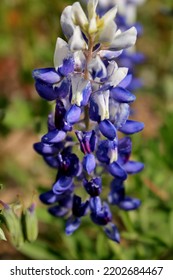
(12, 222)
(30, 223)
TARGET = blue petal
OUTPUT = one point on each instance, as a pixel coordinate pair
(87, 141)
(86, 94)
(46, 91)
(58, 211)
(73, 115)
(94, 111)
(122, 95)
(125, 145)
(133, 167)
(116, 170)
(102, 217)
(112, 232)
(50, 92)
(131, 127)
(95, 204)
(67, 67)
(54, 136)
(89, 163)
(126, 81)
(102, 151)
(72, 224)
(136, 83)
(48, 197)
(129, 203)
(107, 129)
(63, 184)
(116, 195)
(52, 161)
(46, 75)
(45, 149)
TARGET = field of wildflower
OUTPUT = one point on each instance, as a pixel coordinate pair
(86, 117)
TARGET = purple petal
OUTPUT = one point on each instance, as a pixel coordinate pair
(89, 163)
(54, 136)
(122, 95)
(116, 170)
(131, 127)
(107, 129)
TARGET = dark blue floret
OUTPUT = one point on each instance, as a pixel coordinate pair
(102, 217)
(112, 232)
(87, 141)
(93, 187)
(79, 208)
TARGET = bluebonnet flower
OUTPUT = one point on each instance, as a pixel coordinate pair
(92, 107)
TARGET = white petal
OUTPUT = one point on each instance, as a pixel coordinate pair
(61, 52)
(66, 22)
(80, 60)
(99, 100)
(110, 15)
(109, 54)
(106, 99)
(124, 40)
(78, 16)
(96, 65)
(92, 4)
(112, 68)
(115, 74)
(78, 85)
(77, 42)
(107, 32)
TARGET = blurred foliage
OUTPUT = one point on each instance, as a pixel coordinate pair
(27, 39)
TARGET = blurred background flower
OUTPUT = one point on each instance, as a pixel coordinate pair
(28, 35)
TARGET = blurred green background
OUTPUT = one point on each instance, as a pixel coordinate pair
(27, 40)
